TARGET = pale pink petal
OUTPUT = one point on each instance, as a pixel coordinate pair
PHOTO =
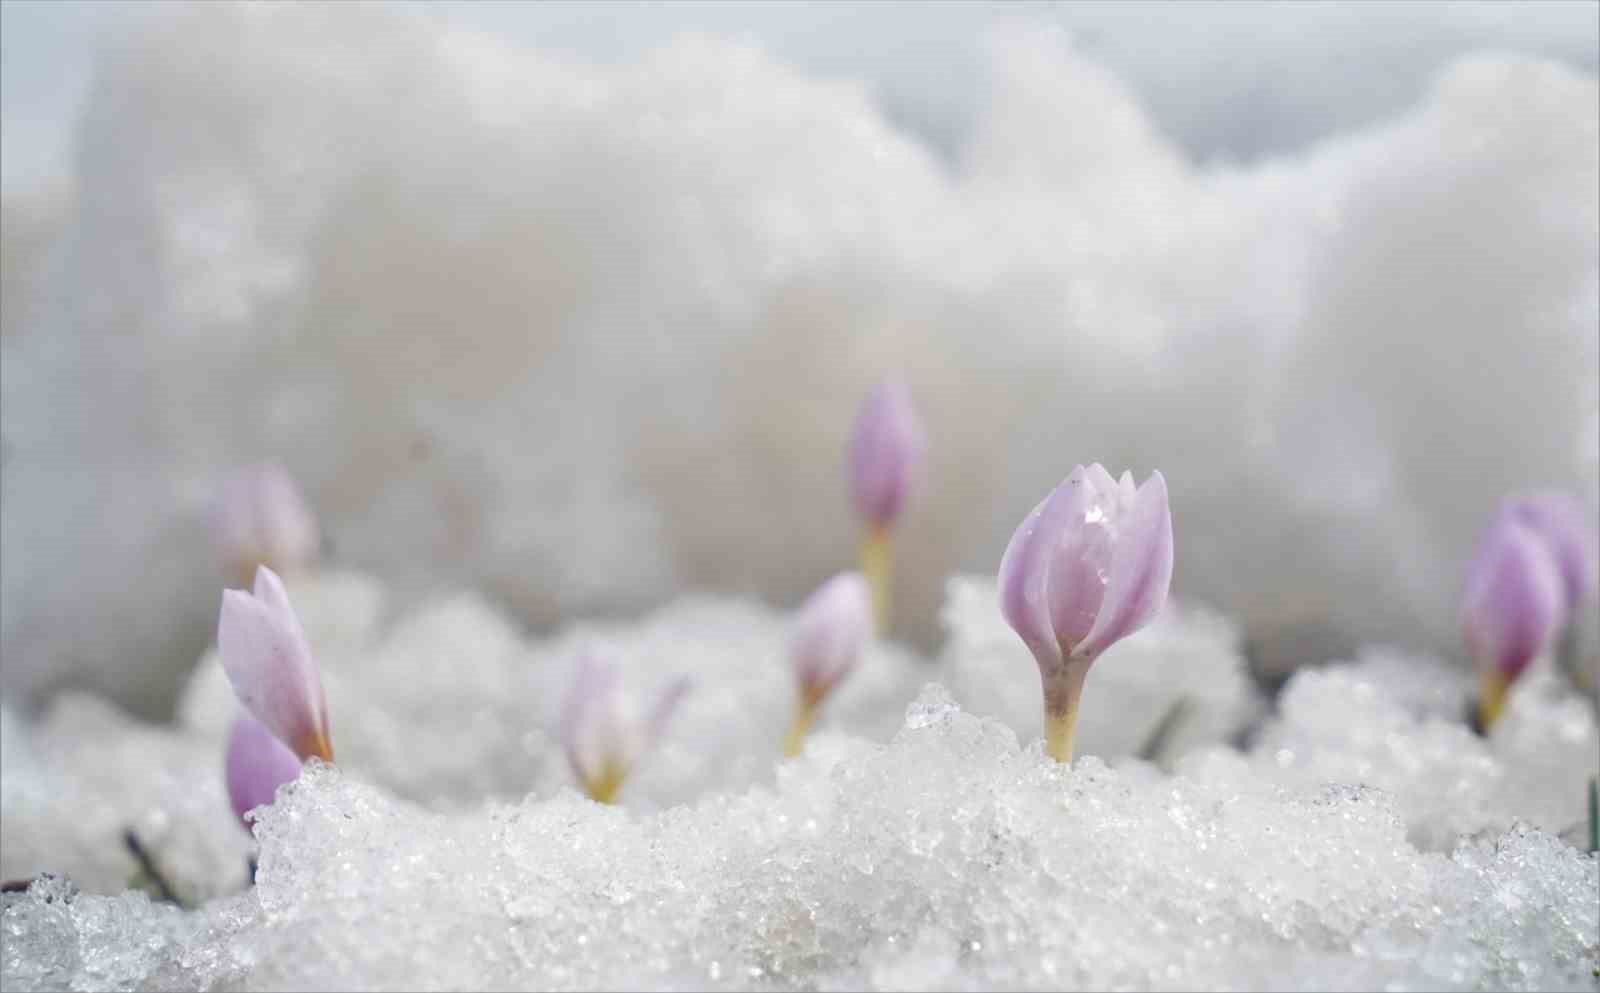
(1080, 563)
(1025, 567)
(1141, 569)
(585, 708)
(666, 705)
(265, 655)
(1566, 528)
(256, 764)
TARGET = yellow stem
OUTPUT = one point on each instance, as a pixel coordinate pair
(793, 742)
(1493, 687)
(877, 565)
(1062, 690)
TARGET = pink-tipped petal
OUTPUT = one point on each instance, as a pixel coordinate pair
(830, 630)
(265, 655)
(886, 451)
(256, 764)
(1566, 528)
(1514, 599)
(1141, 569)
(1025, 568)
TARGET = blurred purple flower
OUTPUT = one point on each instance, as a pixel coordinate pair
(265, 654)
(1512, 604)
(1568, 532)
(260, 517)
(830, 631)
(886, 453)
(1089, 566)
(603, 736)
(257, 764)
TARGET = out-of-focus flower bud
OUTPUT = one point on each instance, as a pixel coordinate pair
(1513, 603)
(260, 517)
(604, 737)
(830, 631)
(886, 452)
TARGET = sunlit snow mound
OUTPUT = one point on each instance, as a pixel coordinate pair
(584, 336)
(950, 858)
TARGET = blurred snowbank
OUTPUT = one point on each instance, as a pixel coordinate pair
(586, 336)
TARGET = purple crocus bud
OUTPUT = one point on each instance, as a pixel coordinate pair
(1512, 604)
(257, 764)
(1566, 528)
(269, 663)
(260, 517)
(830, 631)
(603, 736)
(885, 453)
(1089, 566)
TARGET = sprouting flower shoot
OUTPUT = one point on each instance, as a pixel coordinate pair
(260, 517)
(602, 734)
(270, 665)
(1512, 605)
(257, 763)
(886, 452)
(830, 630)
(1089, 566)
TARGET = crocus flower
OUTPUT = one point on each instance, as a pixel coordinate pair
(604, 737)
(265, 654)
(1513, 603)
(257, 764)
(260, 517)
(1561, 521)
(830, 631)
(886, 451)
(1089, 566)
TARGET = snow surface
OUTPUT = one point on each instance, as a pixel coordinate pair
(1363, 840)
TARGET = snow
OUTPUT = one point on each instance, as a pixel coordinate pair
(1364, 840)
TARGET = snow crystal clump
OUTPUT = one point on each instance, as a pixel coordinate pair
(948, 858)
(452, 704)
(1188, 658)
(1398, 726)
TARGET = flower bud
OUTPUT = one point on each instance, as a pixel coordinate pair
(1089, 566)
(1513, 603)
(886, 453)
(260, 517)
(830, 631)
(269, 663)
(603, 736)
